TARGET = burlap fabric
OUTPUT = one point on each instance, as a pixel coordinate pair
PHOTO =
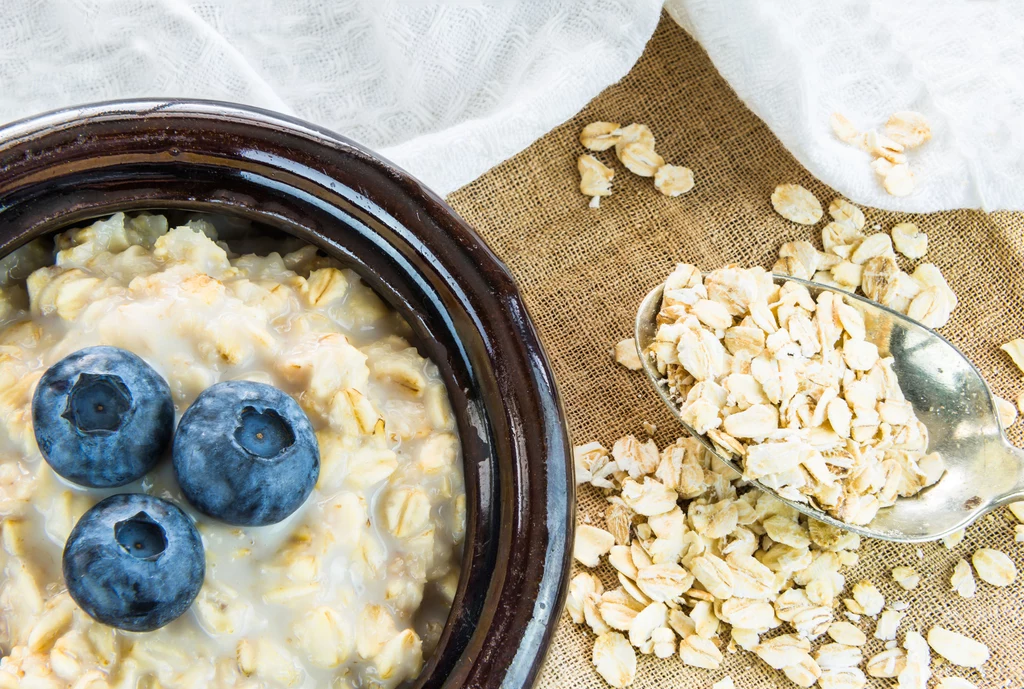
(583, 273)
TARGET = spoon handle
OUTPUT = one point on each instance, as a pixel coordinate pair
(1016, 491)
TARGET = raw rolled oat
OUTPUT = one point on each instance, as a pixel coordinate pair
(909, 129)
(909, 240)
(696, 566)
(625, 354)
(887, 664)
(673, 180)
(957, 648)
(634, 147)
(907, 577)
(591, 543)
(733, 347)
(1006, 411)
(640, 159)
(994, 567)
(955, 683)
(599, 136)
(1015, 350)
(888, 623)
(962, 580)
(595, 178)
(794, 202)
(846, 633)
(615, 659)
(904, 130)
(855, 261)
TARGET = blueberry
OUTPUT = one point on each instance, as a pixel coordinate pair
(134, 562)
(246, 454)
(102, 417)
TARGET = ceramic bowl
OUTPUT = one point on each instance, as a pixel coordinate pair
(69, 166)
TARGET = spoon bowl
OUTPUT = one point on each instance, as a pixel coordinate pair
(949, 396)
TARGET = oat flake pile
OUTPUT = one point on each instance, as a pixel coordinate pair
(584, 270)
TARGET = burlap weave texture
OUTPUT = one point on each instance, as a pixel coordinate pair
(584, 271)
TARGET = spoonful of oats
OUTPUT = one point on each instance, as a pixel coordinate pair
(850, 412)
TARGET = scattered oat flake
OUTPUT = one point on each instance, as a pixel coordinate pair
(1017, 510)
(673, 180)
(634, 133)
(835, 656)
(1006, 411)
(931, 308)
(884, 147)
(994, 567)
(899, 180)
(962, 580)
(909, 129)
(909, 240)
(889, 663)
(1018, 533)
(615, 659)
(843, 128)
(845, 213)
(887, 624)
(844, 678)
(794, 202)
(679, 522)
(1020, 402)
(640, 159)
(955, 683)
(700, 652)
(599, 136)
(846, 633)
(1015, 348)
(916, 647)
(649, 428)
(595, 176)
(724, 683)
(882, 167)
(957, 648)
(591, 543)
(873, 246)
(783, 650)
(907, 577)
(868, 597)
(625, 353)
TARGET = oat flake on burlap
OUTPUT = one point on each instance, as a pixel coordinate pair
(583, 272)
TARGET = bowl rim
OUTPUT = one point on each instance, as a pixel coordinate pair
(67, 165)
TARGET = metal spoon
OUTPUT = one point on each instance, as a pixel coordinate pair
(983, 471)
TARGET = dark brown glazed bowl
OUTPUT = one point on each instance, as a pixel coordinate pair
(65, 167)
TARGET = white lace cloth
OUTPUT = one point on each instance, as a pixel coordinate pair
(444, 89)
(959, 62)
(449, 89)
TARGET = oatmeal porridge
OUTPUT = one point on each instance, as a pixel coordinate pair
(352, 589)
